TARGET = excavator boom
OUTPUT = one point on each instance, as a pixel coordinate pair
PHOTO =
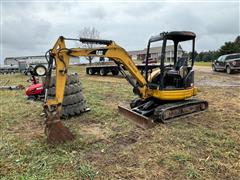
(60, 55)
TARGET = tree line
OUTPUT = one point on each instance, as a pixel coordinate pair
(227, 48)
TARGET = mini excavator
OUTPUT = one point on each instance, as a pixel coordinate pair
(164, 93)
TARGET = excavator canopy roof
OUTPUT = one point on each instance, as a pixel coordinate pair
(177, 36)
(180, 35)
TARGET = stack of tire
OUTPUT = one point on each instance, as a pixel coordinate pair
(74, 102)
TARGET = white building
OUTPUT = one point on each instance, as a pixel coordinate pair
(34, 60)
(155, 53)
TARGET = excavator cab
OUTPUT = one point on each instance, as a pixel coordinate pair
(180, 74)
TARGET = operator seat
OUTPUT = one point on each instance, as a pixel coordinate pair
(175, 76)
(180, 68)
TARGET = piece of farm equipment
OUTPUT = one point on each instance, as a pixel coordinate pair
(36, 90)
(5, 87)
(20, 67)
(163, 93)
(104, 70)
(7, 69)
(18, 87)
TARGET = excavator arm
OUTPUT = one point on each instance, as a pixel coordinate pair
(61, 55)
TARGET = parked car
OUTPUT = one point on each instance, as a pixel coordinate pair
(228, 63)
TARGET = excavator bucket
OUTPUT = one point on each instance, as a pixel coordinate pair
(54, 129)
(138, 119)
(58, 133)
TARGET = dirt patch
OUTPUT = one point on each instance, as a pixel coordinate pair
(95, 130)
(206, 69)
(90, 121)
(28, 130)
(206, 77)
(120, 141)
(117, 128)
(115, 145)
(218, 83)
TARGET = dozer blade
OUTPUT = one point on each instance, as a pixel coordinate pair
(140, 120)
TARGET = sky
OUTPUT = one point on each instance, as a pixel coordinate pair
(32, 27)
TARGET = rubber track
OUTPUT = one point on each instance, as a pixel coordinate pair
(159, 111)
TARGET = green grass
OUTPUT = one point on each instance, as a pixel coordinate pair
(202, 63)
(86, 172)
(107, 146)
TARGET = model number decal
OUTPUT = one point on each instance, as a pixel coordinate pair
(99, 52)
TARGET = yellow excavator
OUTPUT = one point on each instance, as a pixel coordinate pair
(164, 93)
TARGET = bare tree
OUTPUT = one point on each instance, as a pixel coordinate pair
(89, 32)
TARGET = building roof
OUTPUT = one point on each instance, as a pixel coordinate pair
(155, 50)
(25, 57)
(135, 52)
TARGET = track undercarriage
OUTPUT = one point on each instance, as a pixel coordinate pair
(148, 113)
